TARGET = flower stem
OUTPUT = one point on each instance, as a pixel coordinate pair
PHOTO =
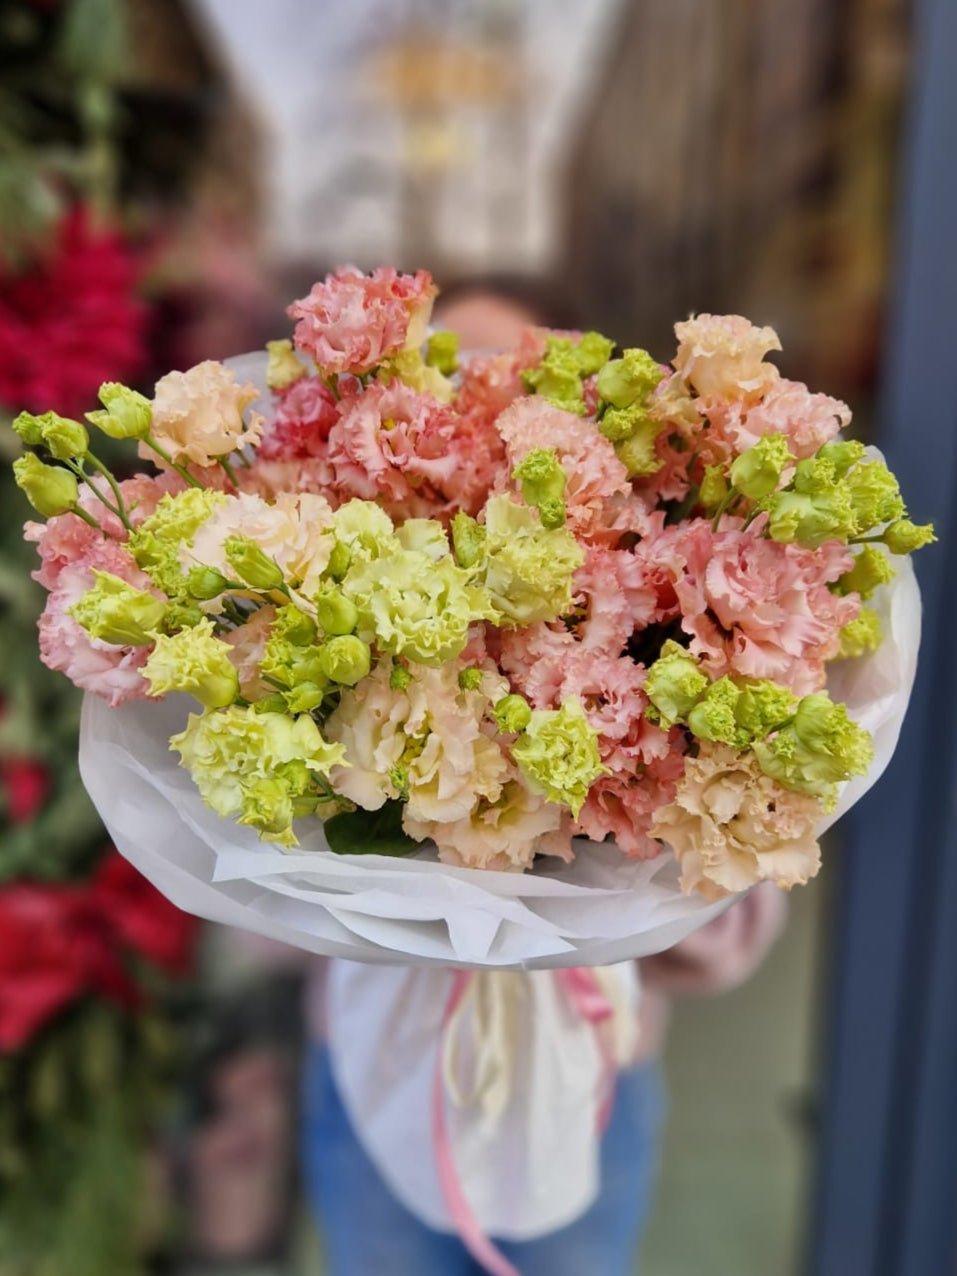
(229, 471)
(181, 470)
(121, 512)
(80, 512)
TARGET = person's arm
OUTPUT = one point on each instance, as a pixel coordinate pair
(723, 954)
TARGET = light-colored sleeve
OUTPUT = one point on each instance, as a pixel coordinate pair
(726, 952)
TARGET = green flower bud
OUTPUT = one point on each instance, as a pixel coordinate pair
(674, 684)
(336, 613)
(305, 697)
(552, 513)
(820, 749)
(283, 368)
(592, 352)
(63, 439)
(205, 583)
(49, 489)
(630, 379)
(871, 568)
(639, 453)
(28, 427)
(182, 616)
(339, 560)
(442, 351)
(903, 537)
(126, 413)
(468, 540)
(399, 779)
(619, 424)
(276, 703)
(252, 564)
(875, 495)
(861, 636)
(399, 678)
(470, 679)
(118, 613)
(345, 659)
(558, 377)
(757, 472)
(512, 713)
(714, 487)
(810, 520)
(294, 626)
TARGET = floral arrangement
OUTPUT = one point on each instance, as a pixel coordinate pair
(490, 603)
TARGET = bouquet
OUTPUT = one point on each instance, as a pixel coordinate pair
(534, 656)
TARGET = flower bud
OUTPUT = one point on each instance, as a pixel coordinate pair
(757, 472)
(253, 566)
(27, 426)
(714, 487)
(399, 678)
(674, 684)
(126, 414)
(63, 438)
(552, 512)
(205, 583)
(118, 613)
(441, 352)
(871, 568)
(541, 476)
(345, 659)
(304, 697)
(283, 368)
(512, 713)
(49, 489)
(339, 560)
(903, 537)
(468, 540)
(336, 613)
(470, 679)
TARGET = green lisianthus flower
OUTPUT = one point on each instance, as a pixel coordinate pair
(757, 472)
(116, 612)
(157, 543)
(196, 662)
(558, 378)
(674, 684)
(630, 379)
(528, 569)
(871, 569)
(512, 713)
(259, 768)
(841, 454)
(126, 414)
(862, 635)
(818, 750)
(558, 754)
(875, 495)
(415, 607)
(365, 530)
(738, 712)
(424, 534)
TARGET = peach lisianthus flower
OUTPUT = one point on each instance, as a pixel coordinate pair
(350, 322)
(198, 414)
(731, 826)
(247, 644)
(504, 834)
(291, 530)
(722, 356)
(807, 420)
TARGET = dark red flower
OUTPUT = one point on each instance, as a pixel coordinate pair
(61, 942)
(25, 784)
(71, 321)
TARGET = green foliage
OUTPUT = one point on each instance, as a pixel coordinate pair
(370, 832)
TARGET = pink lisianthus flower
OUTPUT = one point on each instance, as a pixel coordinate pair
(617, 599)
(488, 384)
(598, 498)
(270, 479)
(753, 606)
(807, 420)
(623, 805)
(247, 647)
(406, 451)
(351, 322)
(108, 671)
(722, 357)
(306, 411)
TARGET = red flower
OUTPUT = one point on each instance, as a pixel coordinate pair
(59, 943)
(25, 785)
(71, 321)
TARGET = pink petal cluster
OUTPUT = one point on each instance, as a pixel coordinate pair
(305, 414)
(807, 420)
(350, 322)
(407, 451)
(752, 606)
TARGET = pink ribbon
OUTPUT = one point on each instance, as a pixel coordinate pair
(586, 996)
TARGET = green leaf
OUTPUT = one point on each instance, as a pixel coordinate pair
(370, 832)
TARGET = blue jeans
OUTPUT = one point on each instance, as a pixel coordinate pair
(367, 1232)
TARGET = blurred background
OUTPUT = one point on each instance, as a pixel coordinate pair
(172, 172)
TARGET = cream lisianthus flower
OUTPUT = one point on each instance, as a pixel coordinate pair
(731, 826)
(198, 415)
(503, 834)
(293, 531)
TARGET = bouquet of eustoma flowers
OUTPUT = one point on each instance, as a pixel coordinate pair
(627, 628)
